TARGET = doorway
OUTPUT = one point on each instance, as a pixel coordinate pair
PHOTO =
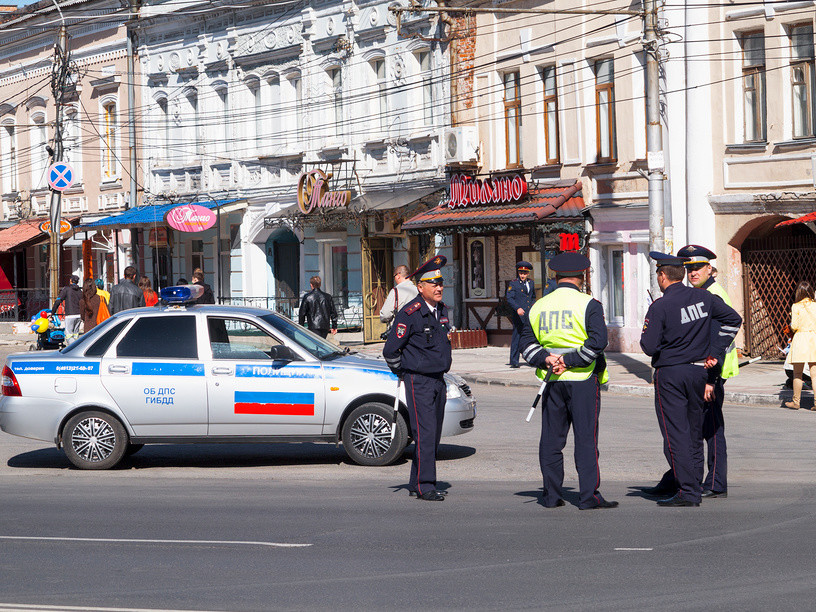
(377, 273)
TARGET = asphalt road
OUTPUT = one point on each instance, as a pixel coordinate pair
(262, 527)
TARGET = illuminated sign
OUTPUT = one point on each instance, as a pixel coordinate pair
(313, 192)
(468, 191)
(190, 218)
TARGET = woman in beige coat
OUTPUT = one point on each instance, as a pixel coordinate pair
(803, 345)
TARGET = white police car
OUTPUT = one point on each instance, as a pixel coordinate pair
(204, 374)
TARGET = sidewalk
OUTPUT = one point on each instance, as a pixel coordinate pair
(759, 384)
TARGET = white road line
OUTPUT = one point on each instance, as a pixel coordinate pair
(634, 549)
(139, 541)
(13, 606)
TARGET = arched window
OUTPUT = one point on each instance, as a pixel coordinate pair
(39, 156)
(274, 108)
(220, 119)
(8, 150)
(335, 82)
(253, 122)
(192, 129)
(71, 151)
(110, 140)
(377, 78)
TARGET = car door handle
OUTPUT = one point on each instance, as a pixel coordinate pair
(119, 369)
(222, 371)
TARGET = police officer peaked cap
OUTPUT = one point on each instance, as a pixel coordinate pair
(696, 254)
(430, 270)
(569, 264)
(663, 259)
(524, 266)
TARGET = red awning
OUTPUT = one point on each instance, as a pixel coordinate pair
(808, 218)
(551, 203)
(25, 234)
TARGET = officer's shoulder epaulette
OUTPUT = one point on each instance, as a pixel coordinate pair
(411, 309)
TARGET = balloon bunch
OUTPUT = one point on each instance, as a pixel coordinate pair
(39, 322)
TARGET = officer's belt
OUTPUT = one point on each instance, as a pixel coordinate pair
(561, 351)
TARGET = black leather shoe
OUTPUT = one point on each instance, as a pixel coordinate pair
(412, 493)
(676, 502)
(708, 493)
(604, 505)
(558, 504)
(660, 490)
(432, 496)
(514, 365)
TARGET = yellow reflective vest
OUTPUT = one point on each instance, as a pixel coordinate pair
(559, 325)
(731, 363)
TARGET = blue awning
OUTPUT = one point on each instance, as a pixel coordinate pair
(147, 215)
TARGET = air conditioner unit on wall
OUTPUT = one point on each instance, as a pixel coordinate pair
(461, 144)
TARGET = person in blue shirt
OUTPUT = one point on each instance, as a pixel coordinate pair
(521, 295)
(687, 358)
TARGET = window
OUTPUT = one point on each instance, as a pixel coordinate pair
(196, 254)
(193, 127)
(163, 337)
(753, 86)
(8, 150)
(512, 117)
(100, 347)
(426, 84)
(239, 339)
(550, 114)
(802, 80)
(605, 111)
(378, 70)
(255, 125)
(298, 97)
(109, 169)
(42, 265)
(339, 271)
(162, 138)
(39, 156)
(222, 118)
(275, 109)
(336, 82)
(616, 286)
(71, 140)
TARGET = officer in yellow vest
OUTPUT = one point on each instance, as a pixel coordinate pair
(567, 332)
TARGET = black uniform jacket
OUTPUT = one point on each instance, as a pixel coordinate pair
(678, 327)
(417, 342)
(593, 346)
(520, 297)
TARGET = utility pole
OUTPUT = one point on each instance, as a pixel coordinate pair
(654, 138)
(59, 75)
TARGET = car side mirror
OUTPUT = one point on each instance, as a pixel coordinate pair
(282, 352)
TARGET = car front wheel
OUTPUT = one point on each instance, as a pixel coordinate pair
(367, 435)
(94, 440)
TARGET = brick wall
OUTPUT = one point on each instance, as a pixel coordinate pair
(463, 52)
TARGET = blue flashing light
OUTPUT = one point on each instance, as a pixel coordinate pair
(181, 294)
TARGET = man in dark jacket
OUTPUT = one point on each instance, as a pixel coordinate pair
(317, 310)
(126, 294)
(69, 296)
(207, 297)
(521, 295)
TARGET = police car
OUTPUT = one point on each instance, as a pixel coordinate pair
(204, 374)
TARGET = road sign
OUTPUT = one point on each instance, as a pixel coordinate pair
(65, 226)
(60, 176)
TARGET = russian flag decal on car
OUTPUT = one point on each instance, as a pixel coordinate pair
(274, 402)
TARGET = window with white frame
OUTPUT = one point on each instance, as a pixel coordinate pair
(512, 117)
(425, 83)
(8, 150)
(802, 80)
(753, 86)
(605, 111)
(253, 121)
(550, 114)
(378, 77)
(221, 119)
(71, 152)
(191, 126)
(110, 165)
(336, 88)
(616, 285)
(39, 156)
(292, 105)
(275, 109)
(161, 128)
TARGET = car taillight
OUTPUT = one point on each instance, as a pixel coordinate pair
(11, 387)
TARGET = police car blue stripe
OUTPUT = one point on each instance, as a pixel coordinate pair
(167, 369)
(55, 367)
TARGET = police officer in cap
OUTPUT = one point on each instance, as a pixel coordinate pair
(418, 350)
(687, 358)
(566, 331)
(700, 274)
(521, 295)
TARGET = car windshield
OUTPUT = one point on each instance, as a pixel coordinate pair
(313, 343)
(78, 345)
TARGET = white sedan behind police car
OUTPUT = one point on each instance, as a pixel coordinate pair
(204, 374)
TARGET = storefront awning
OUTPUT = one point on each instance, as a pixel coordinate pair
(393, 198)
(808, 219)
(154, 214)
(551, 203)
(24, 234)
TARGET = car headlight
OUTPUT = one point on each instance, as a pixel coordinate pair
(453, 383)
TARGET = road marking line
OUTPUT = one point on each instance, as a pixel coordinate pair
(140, 541)
(634, 549)
(12, 606)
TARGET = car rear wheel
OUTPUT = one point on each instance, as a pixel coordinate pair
(94, 440)
(367, 435)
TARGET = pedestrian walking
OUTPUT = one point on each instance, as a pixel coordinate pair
(151, 297)
(89, 305)
(403, 292)
(126, 294)
(69, 296)
(565, 331)
(317, 312)
(418, 350)
(803, 346)
(688, 359)
(521, 295)
(100, 290)
(198, 279)
(700, 274)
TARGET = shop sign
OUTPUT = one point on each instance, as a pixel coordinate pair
(65, 226)
(190, 218)
(313, 192)
(157, 238)
(569, 242)
(468, 191)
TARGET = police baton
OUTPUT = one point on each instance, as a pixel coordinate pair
(540, 393)
(396, 409)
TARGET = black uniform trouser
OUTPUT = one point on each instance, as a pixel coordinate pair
(576, 403)
(426, 395)
(679, 406)
(515, 348)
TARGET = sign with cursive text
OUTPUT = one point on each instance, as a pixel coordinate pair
(190, 218)
(468, 191)
(313, 192)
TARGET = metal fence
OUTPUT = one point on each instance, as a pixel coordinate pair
(349, 307)
(22, 304)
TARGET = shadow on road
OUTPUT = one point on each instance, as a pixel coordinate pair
(570, 495)
(642, 370)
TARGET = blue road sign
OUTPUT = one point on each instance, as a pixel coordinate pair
(60, 176)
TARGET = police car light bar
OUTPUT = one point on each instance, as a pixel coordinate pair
(181, 294)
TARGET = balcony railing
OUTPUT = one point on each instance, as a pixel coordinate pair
(22, 304)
